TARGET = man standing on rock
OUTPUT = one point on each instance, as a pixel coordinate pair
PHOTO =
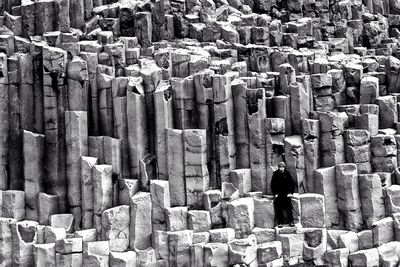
(282, 187)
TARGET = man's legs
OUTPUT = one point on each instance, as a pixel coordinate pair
(278, 210)
(289, 209)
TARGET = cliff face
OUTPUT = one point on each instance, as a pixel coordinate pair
(146, 133)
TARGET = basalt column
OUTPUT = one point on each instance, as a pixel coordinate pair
(4, 125)
(256, 115)
(224, 128)
(54, 68)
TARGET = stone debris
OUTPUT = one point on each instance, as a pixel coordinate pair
(146, 133)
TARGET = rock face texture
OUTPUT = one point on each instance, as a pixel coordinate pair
(146, 133)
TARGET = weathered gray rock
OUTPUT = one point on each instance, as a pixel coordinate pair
(368, 257)
(264, 213)
(140, 227)
(24, 236)
(96, 253)
(160, 198)
(115, 227)
(216, 254)
(382, 231)
(372, 201)
(312, 210)
(325, 184)
(179, 247)
(241, 216)
(243, 251)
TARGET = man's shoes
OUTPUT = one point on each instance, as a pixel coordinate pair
(280, 225)
(291, 224)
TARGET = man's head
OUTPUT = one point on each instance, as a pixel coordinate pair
(281, 166)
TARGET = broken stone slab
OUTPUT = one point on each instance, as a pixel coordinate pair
(382, 231)
(102, 189)
(48, 205)
(87, 235)
(264, 213)
(367, 257)
(243, 251)
(115, 227)
(333, 121)
(229, 191)
(325, 184)
(221, 235)
(383, 145)
(203, 237)
(241, 179)
(315, 241)
(65, 221)
(24, 236)
(127, 189)
(216, 254)
(264, 235)
(299, 106)
(337, 257)
(184, 93)
(349, 203)
(50, 234)
(176, 171)
(159, 241)
(392, 202)
(388, 254)
(87, 164)
(199, 220)
(241, 216)
(160, 198)
(74, 259)
(6, 241)
(197, 254)
(123, 259)
(369, 90)
(312, 210)
(387, 111)
(281, 108)
(179, 247)
(33, 151)
(112, 154)
(365, 240)
(372, 201)
(292, 245)
(176, 218)
(13, 204)
(147, 172)
(349, 240)
(45, 254)
(146, 257)
(384, 164)
(268, 252)
(140, 228)
(96, 253)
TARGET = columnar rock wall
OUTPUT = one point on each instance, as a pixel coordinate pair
(146, 133)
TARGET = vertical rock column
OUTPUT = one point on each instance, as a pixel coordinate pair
(256, 114)
(195, 162)
(44, 19)
(15, 134)
(294, 157)
(176, 167)
(311, 134)
(54, 67)
(24, 236)
(105, 84)
(163, 110)
(239, 89)
(384, 153)
(357, 149)
(184, 103)
(78, 84)
(33, 151)
(62, 16)
(6, 241)
(4, 126)
(299, 105)
(372, 201)
(332, 125)
(349, 203)
(26, 93)
(141, 224)
(224, 128)
(38, 98)
(87, 164)
(28, 18)
(275, 146)
(102, 190)
(137, 124)
(93, 108)
(388, 115)
(77, 8)
(115, 227)
(77, 146)
(205, 112)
